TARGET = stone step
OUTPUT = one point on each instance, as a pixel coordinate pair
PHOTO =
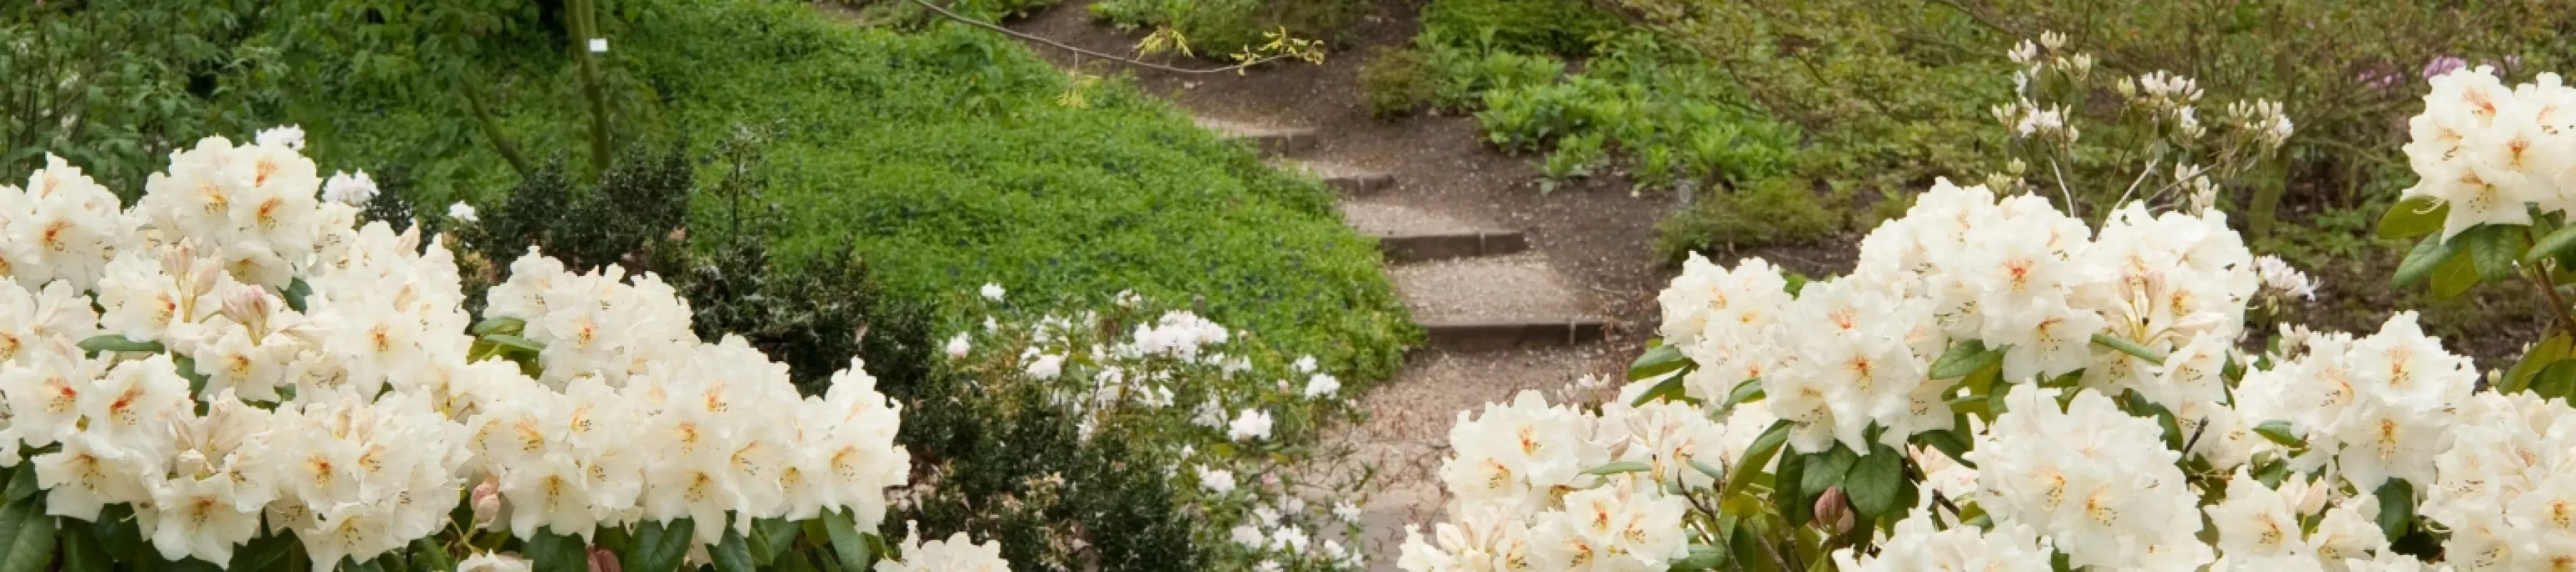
(1493, 303)
(1349, 180)
(1409, 234)
(1272, 141)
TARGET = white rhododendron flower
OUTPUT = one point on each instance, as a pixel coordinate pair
(2491, 152)
(1250, 425)
(956, 554)
(347, 189)
(275, 367)
(1917, 545)
(463, 213)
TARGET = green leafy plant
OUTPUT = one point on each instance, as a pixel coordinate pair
(1778, 210)
(115, 86)
(1397, 82)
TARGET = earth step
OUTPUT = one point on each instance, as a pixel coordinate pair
(1273, 141)
(1349, 180)
(1409, 234)
(1479, 304)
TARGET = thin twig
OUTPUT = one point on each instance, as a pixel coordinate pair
(2142, 177)
(2071, 209)
(943, 12)
(2539, 278)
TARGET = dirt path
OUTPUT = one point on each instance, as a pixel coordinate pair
(1588, 251)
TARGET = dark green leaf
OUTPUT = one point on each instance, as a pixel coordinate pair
(22, 482)
(552, 552)
(2128, 347)
(657, 546)
(1789, 496)
(1755, 456)
(187, 367)
(1749, 390)
(426, 554)
(1964, 357)
(515, 342)
(1702, 557)
(2396, 507)
(492, 326)
(1874, 482)
(1704, 469)
(117, 343)
(849, 549)
(733, 554)
(2556, 243)
(1663, 359)
(770, 536)
(2495, 250)
(1824, 470)
(26, 536)
(2413, 217)
(269, 549)
(117, 531)
(2279, 433)
(1670, 389)
(295, 294)
(2550, 350)
(1619, 468)
(2455, 277)
(2419, 263)
(81, 552)
(2556, 381)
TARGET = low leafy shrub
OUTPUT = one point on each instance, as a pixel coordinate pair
(1556, 27)
(1398, 82)
(1777, 210)
(1463, 75)
(1123, 434)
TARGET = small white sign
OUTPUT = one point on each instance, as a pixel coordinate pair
(599, 45)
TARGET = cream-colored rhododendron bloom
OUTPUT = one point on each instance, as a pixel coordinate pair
(956, 554)
(2119, 424)
(284, 369)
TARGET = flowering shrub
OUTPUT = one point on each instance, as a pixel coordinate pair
(2000, 386)
(235, 372)
(1215, 417)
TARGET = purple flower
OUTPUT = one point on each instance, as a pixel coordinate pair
(2443, 65)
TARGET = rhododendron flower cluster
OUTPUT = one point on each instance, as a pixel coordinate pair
(2491, 153)
(258, 363)
(1998, 386)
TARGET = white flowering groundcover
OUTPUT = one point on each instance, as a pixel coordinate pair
(1214, 411)
(2000, 386)
(234, 372)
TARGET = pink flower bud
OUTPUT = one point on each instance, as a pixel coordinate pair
(487, 501)
(601, 560)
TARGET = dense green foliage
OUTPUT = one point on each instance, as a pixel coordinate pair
(1218, 28)
(1778, 210)
(1554, 27)
(945, 157)
(115, 85)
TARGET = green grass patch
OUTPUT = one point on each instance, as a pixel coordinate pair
(952, 158)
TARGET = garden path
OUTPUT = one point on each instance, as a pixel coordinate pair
(1516, 291)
